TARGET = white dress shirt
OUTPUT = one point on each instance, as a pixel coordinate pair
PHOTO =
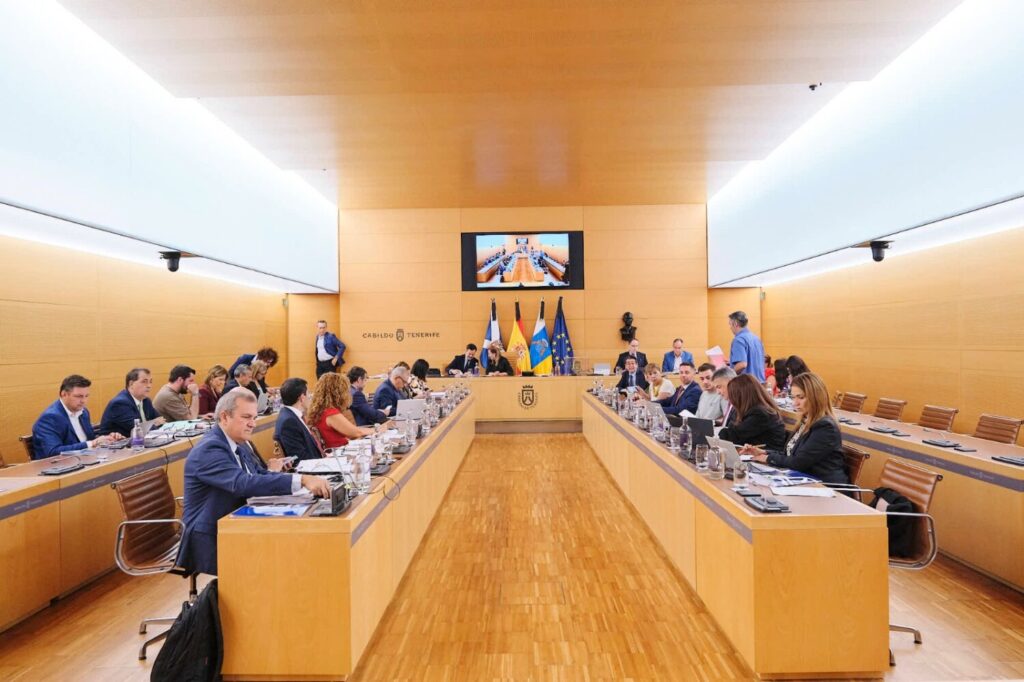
(75, 423)
(296, 478)
(321, 353)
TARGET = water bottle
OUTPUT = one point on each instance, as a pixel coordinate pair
(685, 440)
(138, 441)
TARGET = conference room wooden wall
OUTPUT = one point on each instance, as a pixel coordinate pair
(943, 326)
(722, 303)
(400, 269)
(303, 312)
(64, 312)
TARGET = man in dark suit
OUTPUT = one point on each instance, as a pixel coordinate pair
(465, 363)
(362, 410)
(632, 376)
(221, 472)
(674, 359)
(687, 396)
(389, 392)
(328, 350)
(266, 354)
(633, 352)
(291, 431)
(130, 404)
(65, 425)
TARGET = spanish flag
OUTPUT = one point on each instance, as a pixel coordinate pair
(517, 344)
(540, 346)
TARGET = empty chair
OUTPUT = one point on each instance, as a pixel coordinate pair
(890, 408)
(918, 486)
(26, 441)
(999, 429)
(148, 538)
(854, 458)
(852, 402)
(938, 418)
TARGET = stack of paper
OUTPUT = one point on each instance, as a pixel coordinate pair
(793, 491)
(302, 497)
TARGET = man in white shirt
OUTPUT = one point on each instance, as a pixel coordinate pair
(65, 426)
(711, 405)
(330, 350)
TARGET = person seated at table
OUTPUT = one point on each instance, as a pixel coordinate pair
(362, 411)
(497, 364)
(632, 352)
(721, 379)
(170, 401)
(660, 386)
(390, 392)
(326, 412)
(675, 357)
(266, 354)
(407, 391)
(291, 430)
(221, 473)
(212, 389)
(130, 404)
(711, 405)
(418, 378)
(65, 425)
(796, 366)
(778, 381)
(816, 446)
(258, 385)
(242, 379)
(463, 364)
(758, 420)
(687, 396)
(632, 377)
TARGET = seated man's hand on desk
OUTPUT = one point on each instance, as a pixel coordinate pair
(104, 440)
(316, 485)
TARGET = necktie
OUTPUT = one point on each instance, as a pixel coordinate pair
(316, 440)
(243, 454)
(632, 380)
(465, 364)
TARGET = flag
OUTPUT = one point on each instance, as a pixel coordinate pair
(493, 334)
(517, 344)
(540, 346)
(561, 347)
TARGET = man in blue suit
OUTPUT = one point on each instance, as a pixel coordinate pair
(291, 431)
(65, 425)
(221, 472)
(388, 394)
(266, 354)
(687, 396)
(130, 404)
(362, 410)
(676, 357)
(329, 350)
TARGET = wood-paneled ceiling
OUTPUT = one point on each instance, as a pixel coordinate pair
(529, 102)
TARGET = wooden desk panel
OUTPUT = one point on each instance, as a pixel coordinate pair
(29, 545)
(799, 594)
(978, 499)
(321, 585)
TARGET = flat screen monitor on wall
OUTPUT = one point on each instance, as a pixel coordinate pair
(495, 261)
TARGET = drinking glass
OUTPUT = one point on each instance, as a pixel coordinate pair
(739, 472)
(361, 473)
(716, 463)
(673, 440)
(700, 458)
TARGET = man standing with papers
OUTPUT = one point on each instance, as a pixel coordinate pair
(221, 472)
(746, 355)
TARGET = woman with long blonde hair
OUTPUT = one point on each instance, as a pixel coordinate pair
(328, 409)
(816, 447)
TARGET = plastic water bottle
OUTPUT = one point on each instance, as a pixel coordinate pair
(138, 442)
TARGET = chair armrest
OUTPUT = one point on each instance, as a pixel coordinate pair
(119, 557)
(180, 501)
(933, 549)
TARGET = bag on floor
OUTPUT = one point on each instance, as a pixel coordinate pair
(194, 648)
(901, 528)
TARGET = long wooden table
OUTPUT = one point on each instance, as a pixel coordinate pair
(301, 597)
(57, 533)
(978, 505)
(803, 594)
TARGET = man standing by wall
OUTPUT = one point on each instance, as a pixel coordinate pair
(747, 352)
(329, 350)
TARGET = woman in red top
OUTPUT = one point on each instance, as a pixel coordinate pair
(212, 388)
(329, 411)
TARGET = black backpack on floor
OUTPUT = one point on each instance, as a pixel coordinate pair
(901, 528)
(194, 648)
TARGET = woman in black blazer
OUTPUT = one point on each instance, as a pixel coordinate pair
(497, 364)
(816, 447)
(758, 420)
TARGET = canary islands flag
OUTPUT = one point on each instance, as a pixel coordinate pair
(493, 334)
(517, 344)
(540, 346)
(561, 347)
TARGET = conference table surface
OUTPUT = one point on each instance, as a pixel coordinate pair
(978, 500)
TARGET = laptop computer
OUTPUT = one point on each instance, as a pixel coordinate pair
(411, 408)
(700, 429)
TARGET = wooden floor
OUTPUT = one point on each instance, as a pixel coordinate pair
(542, 572)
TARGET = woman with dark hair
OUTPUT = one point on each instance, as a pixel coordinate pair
(758, 420)
(816, 447)
(418, 381)
(778, 380)
(796, 366)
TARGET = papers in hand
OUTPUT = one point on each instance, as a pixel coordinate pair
(717, 356)
(793, 491)
(302, 497)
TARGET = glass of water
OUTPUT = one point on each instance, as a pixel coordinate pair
(716, 463)
(700, 458)
(361, 473)
(739, 473)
